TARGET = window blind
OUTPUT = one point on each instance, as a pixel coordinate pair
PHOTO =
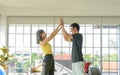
(68, 20)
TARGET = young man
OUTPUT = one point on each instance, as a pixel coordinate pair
(77, 39)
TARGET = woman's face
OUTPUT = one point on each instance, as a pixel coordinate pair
(43, 35)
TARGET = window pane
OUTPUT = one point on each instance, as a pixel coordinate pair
(67, 28)
(105, 29)
(27, 40)
(58, 51)
(97, 28)
(34, 43)
(35, 50)
(112, 40)
(105, 54)
(89, 40)
(82, 29)
(97, 40)
(89, 29)
(105, 40)
(19, 40)
(34, 28)
(19, 28)
(27, 49)
(88, 54)
(65, 43)
(12, 51)
(27, 28)
(43, 27)
(97, 56)
(50, 28)
(12, 40)
(113, 54)
(58, 40)
(11, 28)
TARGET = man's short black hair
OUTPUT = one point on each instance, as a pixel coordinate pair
(75, 25)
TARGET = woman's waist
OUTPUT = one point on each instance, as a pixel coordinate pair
(48, 55)
(47, 52)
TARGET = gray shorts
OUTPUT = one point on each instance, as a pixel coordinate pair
(78, 68)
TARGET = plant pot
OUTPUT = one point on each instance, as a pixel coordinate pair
(2, 70)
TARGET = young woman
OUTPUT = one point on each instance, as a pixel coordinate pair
(43, 41)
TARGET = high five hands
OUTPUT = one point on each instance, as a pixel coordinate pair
(61, 22)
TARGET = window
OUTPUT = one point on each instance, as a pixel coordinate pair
(100, 43)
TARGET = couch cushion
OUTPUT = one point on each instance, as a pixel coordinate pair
(86, 66)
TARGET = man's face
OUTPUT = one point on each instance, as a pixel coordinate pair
(73, 30)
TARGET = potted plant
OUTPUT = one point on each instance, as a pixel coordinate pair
(5, 58)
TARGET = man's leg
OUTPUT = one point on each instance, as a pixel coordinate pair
(78, 68)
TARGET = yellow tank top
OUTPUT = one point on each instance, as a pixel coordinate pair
(46, 49)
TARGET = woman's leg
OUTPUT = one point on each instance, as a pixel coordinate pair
(46, 66)
(52, 69)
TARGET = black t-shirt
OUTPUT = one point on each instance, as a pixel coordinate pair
(77, 47)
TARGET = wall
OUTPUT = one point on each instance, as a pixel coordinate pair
(3, 26)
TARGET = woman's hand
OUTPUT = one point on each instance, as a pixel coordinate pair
(61, 22)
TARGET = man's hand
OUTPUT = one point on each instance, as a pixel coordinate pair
(61, 22)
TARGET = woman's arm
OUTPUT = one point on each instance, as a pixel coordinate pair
(51, 36)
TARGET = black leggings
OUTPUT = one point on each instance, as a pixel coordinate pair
(48, 65)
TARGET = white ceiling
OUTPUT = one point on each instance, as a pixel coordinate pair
(62, 7)
(61, 4)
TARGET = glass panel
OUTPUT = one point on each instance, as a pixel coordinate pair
(97, 40)
(43, 27)
(97, 56)
(35, 50)
(52, 43)
(19, 28)
(105, 40)
(104, 29)
(52, 40)
(65, 54)
(50, 28)
(113, 54)
(67, 28)
(105, 54)
(11, 28)
(105, 66)
(27, 28)
(82, 29)
(19, 40)
(58, 40)
(27, 40)
(65, 43)
(89, 29)
(58, 52)
(84, 40)
(96, 28)
(34, 28)
(34, 40)
(113, 40)
(11, 40)
(84, 50)
(89, 54)
(89, 40)
(12, 51)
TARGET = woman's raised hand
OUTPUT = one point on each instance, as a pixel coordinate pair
(61, 22)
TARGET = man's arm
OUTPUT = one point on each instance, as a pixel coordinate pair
(68, 37)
